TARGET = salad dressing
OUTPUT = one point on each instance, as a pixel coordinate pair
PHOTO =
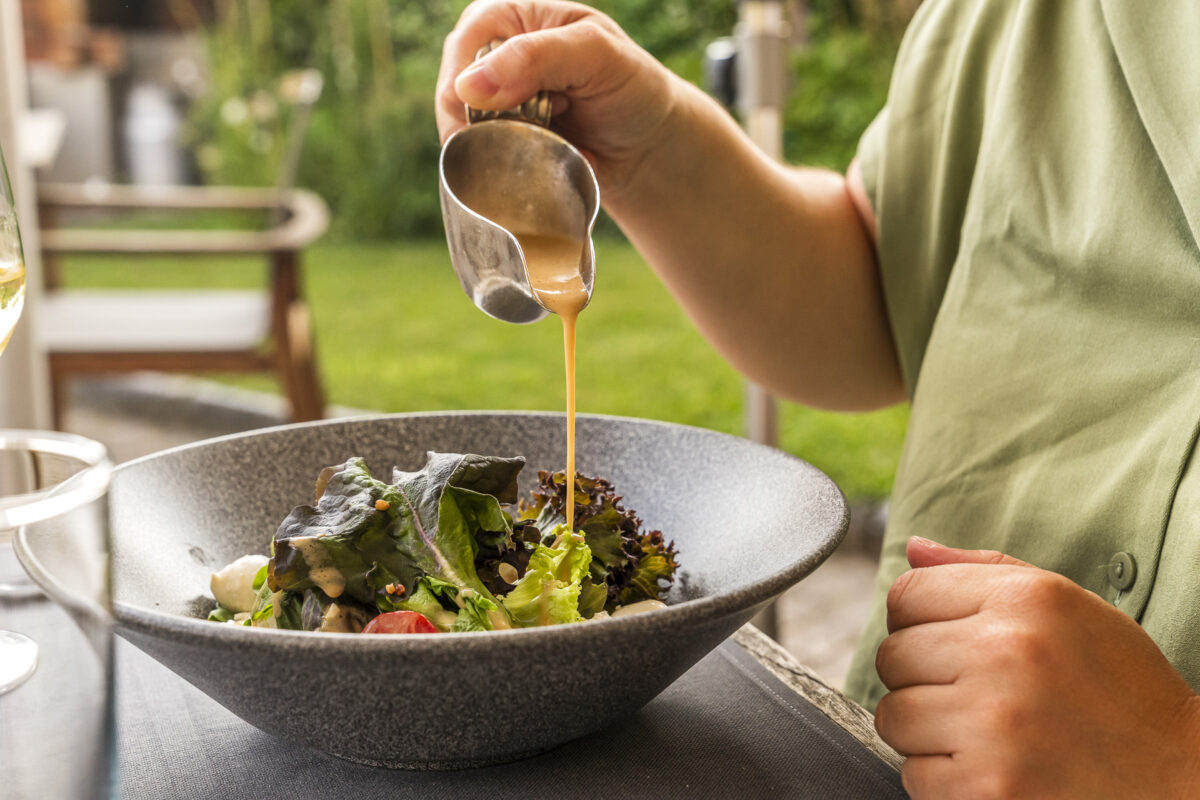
(341, 619)
(321, 569)
(552, 264)
(640, 607)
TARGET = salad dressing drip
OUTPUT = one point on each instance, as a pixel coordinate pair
(321, 569)
(552, 263)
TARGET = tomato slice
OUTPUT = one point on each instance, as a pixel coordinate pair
(400, 622)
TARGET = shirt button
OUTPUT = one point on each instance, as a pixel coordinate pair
(1122, 571)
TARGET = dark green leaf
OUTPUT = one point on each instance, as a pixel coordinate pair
(345, 533)
(631, 564)
(592, 597)
(288, 610)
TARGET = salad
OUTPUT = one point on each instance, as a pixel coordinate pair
(447, 548)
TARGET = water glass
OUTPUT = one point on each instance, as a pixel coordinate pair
(56, 638)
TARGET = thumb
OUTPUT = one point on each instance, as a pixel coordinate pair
(566, 59)
(922, 552)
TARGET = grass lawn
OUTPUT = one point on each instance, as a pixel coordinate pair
(396, 333)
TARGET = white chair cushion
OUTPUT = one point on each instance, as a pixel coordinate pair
(111, 320)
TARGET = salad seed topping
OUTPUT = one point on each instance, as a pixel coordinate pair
(508, 573)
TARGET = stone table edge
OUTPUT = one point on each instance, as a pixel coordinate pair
(846, 713)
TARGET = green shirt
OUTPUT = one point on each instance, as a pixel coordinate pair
(1036, 182)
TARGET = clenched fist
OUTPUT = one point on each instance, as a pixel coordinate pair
(1011, 681)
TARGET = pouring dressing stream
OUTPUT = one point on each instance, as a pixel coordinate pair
(553, 265)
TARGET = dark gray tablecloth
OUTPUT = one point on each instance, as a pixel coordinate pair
(727, 728)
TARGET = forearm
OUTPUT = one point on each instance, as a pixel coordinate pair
(774, 265)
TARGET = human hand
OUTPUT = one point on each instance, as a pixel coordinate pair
(610, 98)
(1011, 681)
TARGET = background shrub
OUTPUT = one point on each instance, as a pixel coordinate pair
(372, 147)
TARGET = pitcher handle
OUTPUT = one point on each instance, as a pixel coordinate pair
(536, 109)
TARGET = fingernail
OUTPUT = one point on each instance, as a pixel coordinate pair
(478, 78)
(921, 541)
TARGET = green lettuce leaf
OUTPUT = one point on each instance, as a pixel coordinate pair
(364, 539)
(439, 602)
(278, 610)
(549, 591)
(435, 599)
(346, 533)
(474, 614)
(422, 600)
(444, 504)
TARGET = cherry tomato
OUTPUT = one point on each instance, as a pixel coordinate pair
(400, 622)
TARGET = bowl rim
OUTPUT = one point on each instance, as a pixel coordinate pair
(174, 626)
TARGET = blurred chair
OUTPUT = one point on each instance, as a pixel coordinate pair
(90, 332)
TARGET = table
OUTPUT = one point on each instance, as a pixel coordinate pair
(747, 721)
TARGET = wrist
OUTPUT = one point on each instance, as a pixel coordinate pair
(694, 141)
(643, 172)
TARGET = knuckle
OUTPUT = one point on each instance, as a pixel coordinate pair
(1015, 649)
(477, 10)
(993, 557)
(892, 721)
(898, 590)
(1029, 647)
(1006, 717)
(1051, 591)
(883, 714)
(883, 657)
(522, 53)
(1018, 644)
(595, 34)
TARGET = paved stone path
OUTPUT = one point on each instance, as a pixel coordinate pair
(819, 618)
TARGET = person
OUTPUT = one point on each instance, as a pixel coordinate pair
(1014, 250)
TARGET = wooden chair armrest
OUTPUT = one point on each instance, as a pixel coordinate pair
(305, 219)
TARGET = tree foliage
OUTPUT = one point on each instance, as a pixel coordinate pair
(371, 149)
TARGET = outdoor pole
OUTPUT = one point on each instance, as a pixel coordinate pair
(24, 389)
(762, 37)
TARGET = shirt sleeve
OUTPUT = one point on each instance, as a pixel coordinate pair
(870, 147)
(918, 160)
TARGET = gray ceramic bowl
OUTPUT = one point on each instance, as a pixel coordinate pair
(748, 521)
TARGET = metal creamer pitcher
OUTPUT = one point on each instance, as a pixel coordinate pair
(508, 173)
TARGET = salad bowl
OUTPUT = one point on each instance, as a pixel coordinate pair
(748, 522)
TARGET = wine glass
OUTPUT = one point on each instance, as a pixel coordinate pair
(56, 733)
(18, 653)
(12, 261)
